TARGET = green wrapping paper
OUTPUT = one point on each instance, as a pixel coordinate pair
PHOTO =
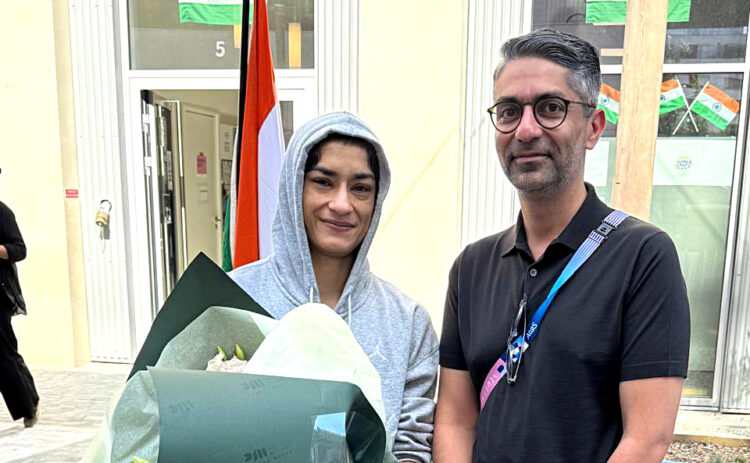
(217, 326)
(202, 285)
(313, 342)
(292, 404)
(131, 426)
(238, 418)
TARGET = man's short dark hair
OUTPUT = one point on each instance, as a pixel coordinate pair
(372, 157)
(569, 51)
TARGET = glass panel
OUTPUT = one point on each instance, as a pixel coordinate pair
(600, 162)
(711, 34)
(716, 32)
(693, 175)
(570, 16)
(165, 34)
(287, 120)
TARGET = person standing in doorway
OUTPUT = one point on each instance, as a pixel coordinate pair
(16, 383)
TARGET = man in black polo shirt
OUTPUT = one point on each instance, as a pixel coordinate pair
(602, 379)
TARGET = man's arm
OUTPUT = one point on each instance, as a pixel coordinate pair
(649, 409)
(456, 417)
(655, 347)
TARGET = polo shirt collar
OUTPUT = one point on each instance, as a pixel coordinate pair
(589, 216)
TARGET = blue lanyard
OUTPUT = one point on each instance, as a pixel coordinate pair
(595, 238)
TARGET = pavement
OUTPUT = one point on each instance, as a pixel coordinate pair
(74, 402)
(728, 429)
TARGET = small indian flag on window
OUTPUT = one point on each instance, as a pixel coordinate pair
(672, 97)
(715, 106)
(609, 102)
(217, 12)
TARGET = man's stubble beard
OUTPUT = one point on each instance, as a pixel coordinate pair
(561, 172)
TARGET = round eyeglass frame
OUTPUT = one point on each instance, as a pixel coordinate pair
(533, 104)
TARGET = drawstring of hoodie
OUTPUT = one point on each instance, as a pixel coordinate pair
(348, 305)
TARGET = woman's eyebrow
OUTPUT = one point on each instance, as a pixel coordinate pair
(324, 171)
(363, 176)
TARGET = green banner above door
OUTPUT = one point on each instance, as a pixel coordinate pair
(614, 11)
(216, 12)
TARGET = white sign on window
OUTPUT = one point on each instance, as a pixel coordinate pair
(694, 161)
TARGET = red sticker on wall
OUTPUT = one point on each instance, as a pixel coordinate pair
(71, 193)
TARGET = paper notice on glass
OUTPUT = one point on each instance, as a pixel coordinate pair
(694, 161)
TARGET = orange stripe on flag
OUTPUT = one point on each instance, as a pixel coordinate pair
(259, 101)
(671, 84)
(722, 98)
(610, 92)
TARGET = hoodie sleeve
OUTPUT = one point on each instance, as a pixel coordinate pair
(414, 435)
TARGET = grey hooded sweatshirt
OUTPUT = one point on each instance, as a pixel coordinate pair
(393, 329)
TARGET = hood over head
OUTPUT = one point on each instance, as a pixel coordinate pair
(291, 256)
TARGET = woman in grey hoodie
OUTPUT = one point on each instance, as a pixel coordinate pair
(331, 190)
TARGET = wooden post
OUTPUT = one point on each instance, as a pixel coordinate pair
(645, 35)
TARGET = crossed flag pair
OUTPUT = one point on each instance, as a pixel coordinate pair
(711, 103)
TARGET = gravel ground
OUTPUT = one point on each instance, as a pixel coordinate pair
(693, 452)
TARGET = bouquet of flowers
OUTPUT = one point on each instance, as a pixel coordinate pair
(296, 399)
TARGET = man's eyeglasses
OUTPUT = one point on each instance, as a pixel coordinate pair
(549, 112)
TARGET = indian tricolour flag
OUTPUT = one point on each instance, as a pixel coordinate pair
(672, 97)
(715, 106)
(219, 12)
(609, 102)
(257, 162)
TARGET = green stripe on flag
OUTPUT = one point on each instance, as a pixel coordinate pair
(672, 105)
(203, 13)
(706, 113)
(611, 116)
(614, 11)
(226, 246)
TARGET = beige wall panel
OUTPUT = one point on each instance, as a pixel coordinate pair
(31, 182)
(69, 154)
(645, 35)
(410, 94)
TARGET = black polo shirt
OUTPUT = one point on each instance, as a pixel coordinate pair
(623, 316)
